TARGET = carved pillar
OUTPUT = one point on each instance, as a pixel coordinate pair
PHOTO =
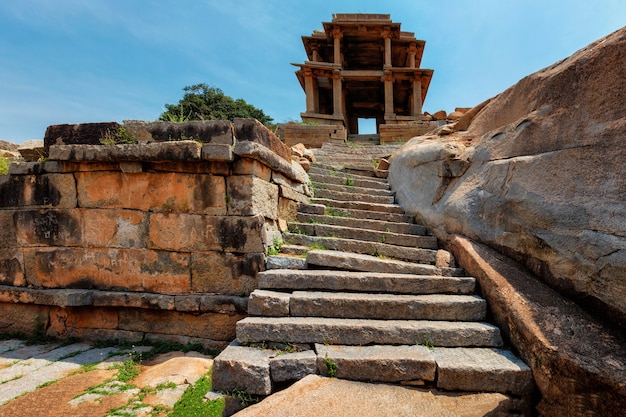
(316, 55)
(337, 35)
(387, 36)
(337, 95)
(309, 90)
(417, 96)
(412, 53)
(388, 81)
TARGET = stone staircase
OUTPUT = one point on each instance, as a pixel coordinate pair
(361, 292)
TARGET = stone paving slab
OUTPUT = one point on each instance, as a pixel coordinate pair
(365, 332)
(352, 188)
(364, 281)
(51, 372)
(379, 363)
(386, 306)
(340, 178)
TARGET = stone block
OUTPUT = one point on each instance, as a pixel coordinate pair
(189, 167)
(82, 227)
(289, 168)
(217, 152)
(243, 368)
(85, 133)
(293, 366)
(131, 167)
(121, 269)
(205, 131)
(247, 166)
(12, 267)
(291, 194)
(269, 303)
(378, 363)
(29, 168)
(55, 190)
(8, 237)
(22, 317)
(285, 262)
(287, 209)
(133, 300)
(215, 326)
(226, 304)
(32, 150)
(184, 232)
(250, 196)
(186, 150)
(475, 369)
(241, 234)
(254, 131)
(225, 273)
(167, 192)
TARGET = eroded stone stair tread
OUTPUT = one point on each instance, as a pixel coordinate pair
(358, 205)
(378, 363)
(345, 188)
(388, 306)
(350, 196)
(345, 232)
(419, 255)
(332, 171)
(495, 370)
(372, 224)
(340, 179)
(369, 214)
(360, 262)
(287, 279)
(361, 332)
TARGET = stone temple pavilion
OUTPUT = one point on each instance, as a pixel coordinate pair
(363, 66)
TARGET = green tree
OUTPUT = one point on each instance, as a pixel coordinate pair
(202, 102)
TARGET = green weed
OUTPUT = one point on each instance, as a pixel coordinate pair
(331, 367)
(4, 165)
(349, 182)
(426, 342)
(192, 402)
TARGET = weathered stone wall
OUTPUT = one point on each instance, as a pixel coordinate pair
(160, 238)
(390, 133)
(311, 136)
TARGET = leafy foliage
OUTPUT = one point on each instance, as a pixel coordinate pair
(4, 165)
(203, 102)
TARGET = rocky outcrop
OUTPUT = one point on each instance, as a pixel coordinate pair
(537, 173)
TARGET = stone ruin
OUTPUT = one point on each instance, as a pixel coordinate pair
(362, 66)
(162, 238)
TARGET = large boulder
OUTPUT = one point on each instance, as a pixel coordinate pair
(539, 174)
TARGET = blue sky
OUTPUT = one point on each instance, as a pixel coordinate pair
(78, 61)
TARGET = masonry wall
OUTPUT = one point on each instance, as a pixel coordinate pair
(159, 239)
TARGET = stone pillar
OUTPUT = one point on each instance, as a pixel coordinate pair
(388, 80)
(417, 96)
(387, 36)
(412, 53)
(337, 35)
(316, 55)
(337, 95)
(309, 91)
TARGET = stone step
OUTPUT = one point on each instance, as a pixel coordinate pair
(368, 263)
(366, 214)
(367, 305)
(285, 262)
(390, 238)
(347, 196)
(338, 170)
(339, 178)
(362, 332)
(285, 279)
(462, 369)
(349, 187)
(404, 253)
(343, 147)
(297, 250)
(358, 205)
(380, 225)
